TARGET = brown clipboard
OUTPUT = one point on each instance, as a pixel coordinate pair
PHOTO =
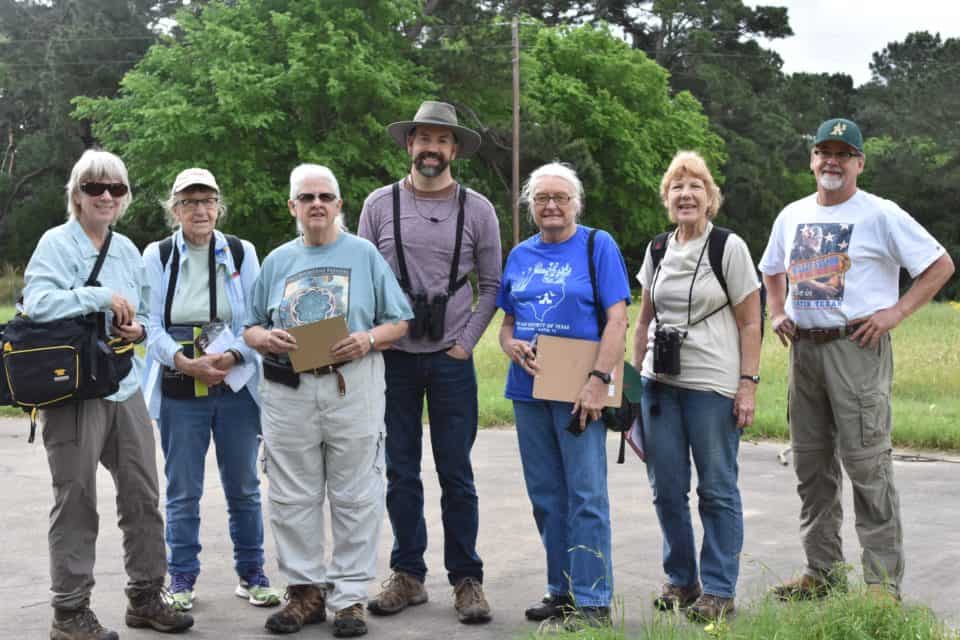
(565, 364)
(314, 341)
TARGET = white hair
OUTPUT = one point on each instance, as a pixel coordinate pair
(304, 171)
(95, 164)
(554, 169)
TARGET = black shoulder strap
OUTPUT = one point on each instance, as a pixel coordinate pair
(398, 241)
(236, 249)
(169, 251)
(658, 248)
(454, 284)
(601, 312)
(101, 256)
(718, 241)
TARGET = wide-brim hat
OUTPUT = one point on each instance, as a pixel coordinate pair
(437, 114)
(841, 130)
(194, 176)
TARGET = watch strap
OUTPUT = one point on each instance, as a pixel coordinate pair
(753, 379)
(605, 377)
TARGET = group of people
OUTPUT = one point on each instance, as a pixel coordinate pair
(219, 329)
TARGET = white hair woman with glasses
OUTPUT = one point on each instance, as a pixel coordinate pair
(115, 430)
(200, 283)
(547, 290)
(323, 429)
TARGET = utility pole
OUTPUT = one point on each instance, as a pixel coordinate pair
(516, 130)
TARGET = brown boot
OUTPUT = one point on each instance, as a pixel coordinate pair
(306, 604)
(152, 608)
(709, 608)
(78, 624)
(470, 603)
(349, 622)
(673, 597)
(401, 590)
(805, 587)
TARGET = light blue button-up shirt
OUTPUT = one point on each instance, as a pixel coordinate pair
(59, 267)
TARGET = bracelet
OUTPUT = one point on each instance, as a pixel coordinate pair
(237, 356)
(753, 379)
(143, 336)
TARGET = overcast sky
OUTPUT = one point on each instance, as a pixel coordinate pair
(840, 36)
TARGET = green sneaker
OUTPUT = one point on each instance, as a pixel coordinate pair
(257, 590)
(182, 593)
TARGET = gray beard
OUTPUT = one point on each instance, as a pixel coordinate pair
(830, 182)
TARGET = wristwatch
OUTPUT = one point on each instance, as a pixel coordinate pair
(753, 379)
(373, 340)
(605, 377)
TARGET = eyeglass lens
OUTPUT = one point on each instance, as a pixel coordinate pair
(116, 189)
(307, 198)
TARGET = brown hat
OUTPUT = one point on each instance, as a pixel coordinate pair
(437, 114)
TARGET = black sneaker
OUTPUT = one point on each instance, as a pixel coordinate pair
(78, 624)
(552, 606)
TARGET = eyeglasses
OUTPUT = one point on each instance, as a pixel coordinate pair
(560, 198)
(308, 198)
(116, 189)
(196, 203)
(839, 156)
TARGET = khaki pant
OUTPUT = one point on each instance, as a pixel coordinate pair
(77, 438)
(839, 403)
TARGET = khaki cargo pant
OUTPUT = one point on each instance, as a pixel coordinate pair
(79, 437)
(839, 404)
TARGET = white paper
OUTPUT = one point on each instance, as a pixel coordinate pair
(240, 374)
(222, 343)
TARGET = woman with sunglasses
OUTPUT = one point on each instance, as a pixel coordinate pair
(115, 430)
(323, 429)
(200, 282)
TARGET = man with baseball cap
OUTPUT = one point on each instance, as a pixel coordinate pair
(835, 301)
(434, 233)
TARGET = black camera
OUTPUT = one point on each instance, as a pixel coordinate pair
(429, 316)
(666, 350)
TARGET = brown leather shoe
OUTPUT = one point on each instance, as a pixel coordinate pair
(709, 607)
(673, 597)
(470, 603)
(883, 593)
(400, 590)
(78, 624)
(806, 587)
(306, 604)
(152, 608)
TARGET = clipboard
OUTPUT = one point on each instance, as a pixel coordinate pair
(565, 364)
(314, 341)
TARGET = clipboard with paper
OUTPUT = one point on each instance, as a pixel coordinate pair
(565, 364)
(314, 342)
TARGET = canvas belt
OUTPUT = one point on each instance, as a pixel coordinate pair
(819, 336)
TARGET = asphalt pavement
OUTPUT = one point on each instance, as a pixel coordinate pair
(509, 544)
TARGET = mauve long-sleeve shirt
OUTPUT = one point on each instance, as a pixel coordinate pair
(428, 227)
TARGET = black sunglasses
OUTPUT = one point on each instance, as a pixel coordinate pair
(116, 189)
(307, 198)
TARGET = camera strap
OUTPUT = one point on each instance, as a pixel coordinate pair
(453, 284)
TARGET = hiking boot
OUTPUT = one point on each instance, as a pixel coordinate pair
(306, 604)
(153, 608)
(471, 605)
(349, 622)
(586, 617)
(883, 593)
(182, 593)
(255, 587)
(709, 608)
(673, 597)
(400, 590)
(551, 606)
(78, 624)
(806, 587)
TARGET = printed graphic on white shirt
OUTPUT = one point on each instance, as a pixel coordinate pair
(315, 294)
(819, 262)
(549, 281)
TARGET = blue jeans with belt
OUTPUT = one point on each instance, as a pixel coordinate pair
(566, 478)
(186, 426)
(679, 424)
(450, 387)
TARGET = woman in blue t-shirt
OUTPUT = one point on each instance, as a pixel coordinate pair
(546, 290)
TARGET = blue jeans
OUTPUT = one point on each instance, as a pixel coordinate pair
(679, 422)
(566, 478)
(450, 386)
(233, 419)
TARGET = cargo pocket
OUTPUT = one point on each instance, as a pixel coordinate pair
(60, 425)
(874, 420)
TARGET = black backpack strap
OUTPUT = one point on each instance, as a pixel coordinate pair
(212, 276)
(718, 242)
(601, 312)
(236, 249)
(172, 254)
(455, 284)
(398, 241)
(101, 256)
(658, 248)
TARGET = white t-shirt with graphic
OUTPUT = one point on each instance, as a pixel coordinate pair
(843, 262)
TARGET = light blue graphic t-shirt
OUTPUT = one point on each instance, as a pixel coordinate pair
(546, 288)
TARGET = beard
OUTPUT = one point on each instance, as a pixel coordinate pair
(830, 182)
(430, 171)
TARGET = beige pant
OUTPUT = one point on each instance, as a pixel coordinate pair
(77, 438)
(839, 404)
(320, 444)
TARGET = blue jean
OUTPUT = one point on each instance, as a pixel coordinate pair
(450, 387)
(233, 419)
(566, 478)
(679, 422)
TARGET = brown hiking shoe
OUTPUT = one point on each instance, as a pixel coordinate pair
(350, 622)
(471, 605)
(883, 593)
(400, 590)
(78, 624)
(673, 597)
(306, 604)
(805, 587)
(153, 608)
(709, 607)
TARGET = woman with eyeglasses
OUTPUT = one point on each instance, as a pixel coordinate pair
(200, 283)
(547, 290)
(323, 429)
(115, 430)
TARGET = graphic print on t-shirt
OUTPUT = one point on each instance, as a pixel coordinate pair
(818, 265)
(547, 285)
(314, 294)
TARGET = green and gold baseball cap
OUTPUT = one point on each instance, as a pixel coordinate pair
(842, 130)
